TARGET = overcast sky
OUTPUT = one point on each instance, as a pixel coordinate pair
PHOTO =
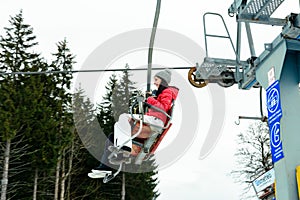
(88, 24)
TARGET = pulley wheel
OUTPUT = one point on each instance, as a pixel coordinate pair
(227, 79)
(198, 83)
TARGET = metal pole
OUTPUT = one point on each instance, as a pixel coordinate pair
(205, 35)
(123, 187)
(250, 39)
(238, 40)
(150, 52)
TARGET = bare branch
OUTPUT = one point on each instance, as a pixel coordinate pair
(253, 157)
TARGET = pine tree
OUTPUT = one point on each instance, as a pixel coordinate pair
(123, 94)
(39, 129)
(36, 107)
(16, 55)
(64, 61)
(106, 119)
(86, 125)
(105, 112)
(43, 156)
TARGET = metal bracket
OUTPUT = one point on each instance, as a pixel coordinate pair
(209, 69)
(263, 119)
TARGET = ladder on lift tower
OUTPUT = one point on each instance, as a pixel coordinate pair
(227, 72)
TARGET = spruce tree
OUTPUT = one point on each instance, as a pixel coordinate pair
(16, 55)
(123, 94)
(35, 107)
(81, 186)
(105, 112)
(61, 95)
(106, 119)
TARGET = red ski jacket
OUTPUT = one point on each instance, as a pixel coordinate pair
(163, 101)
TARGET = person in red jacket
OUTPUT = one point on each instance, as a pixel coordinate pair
(122, 129)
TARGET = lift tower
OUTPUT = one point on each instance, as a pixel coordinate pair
(277, 70)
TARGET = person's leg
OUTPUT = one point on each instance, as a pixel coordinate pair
(102, 169)
(156, 126)
(122, 133)
(104, 159)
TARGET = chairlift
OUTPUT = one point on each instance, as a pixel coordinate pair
(144, 141)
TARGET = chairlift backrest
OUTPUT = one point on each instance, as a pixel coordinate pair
(175, 91)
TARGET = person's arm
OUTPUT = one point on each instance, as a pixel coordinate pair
(165, 100)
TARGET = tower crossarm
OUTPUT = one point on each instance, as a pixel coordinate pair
(256, 11)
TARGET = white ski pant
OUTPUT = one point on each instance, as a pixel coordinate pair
(122, 128)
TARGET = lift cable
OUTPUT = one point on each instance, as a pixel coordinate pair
(84, 71)
(149, 69)
(150, 51)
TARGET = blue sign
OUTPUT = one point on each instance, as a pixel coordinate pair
(274, 116)
(273, 102)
